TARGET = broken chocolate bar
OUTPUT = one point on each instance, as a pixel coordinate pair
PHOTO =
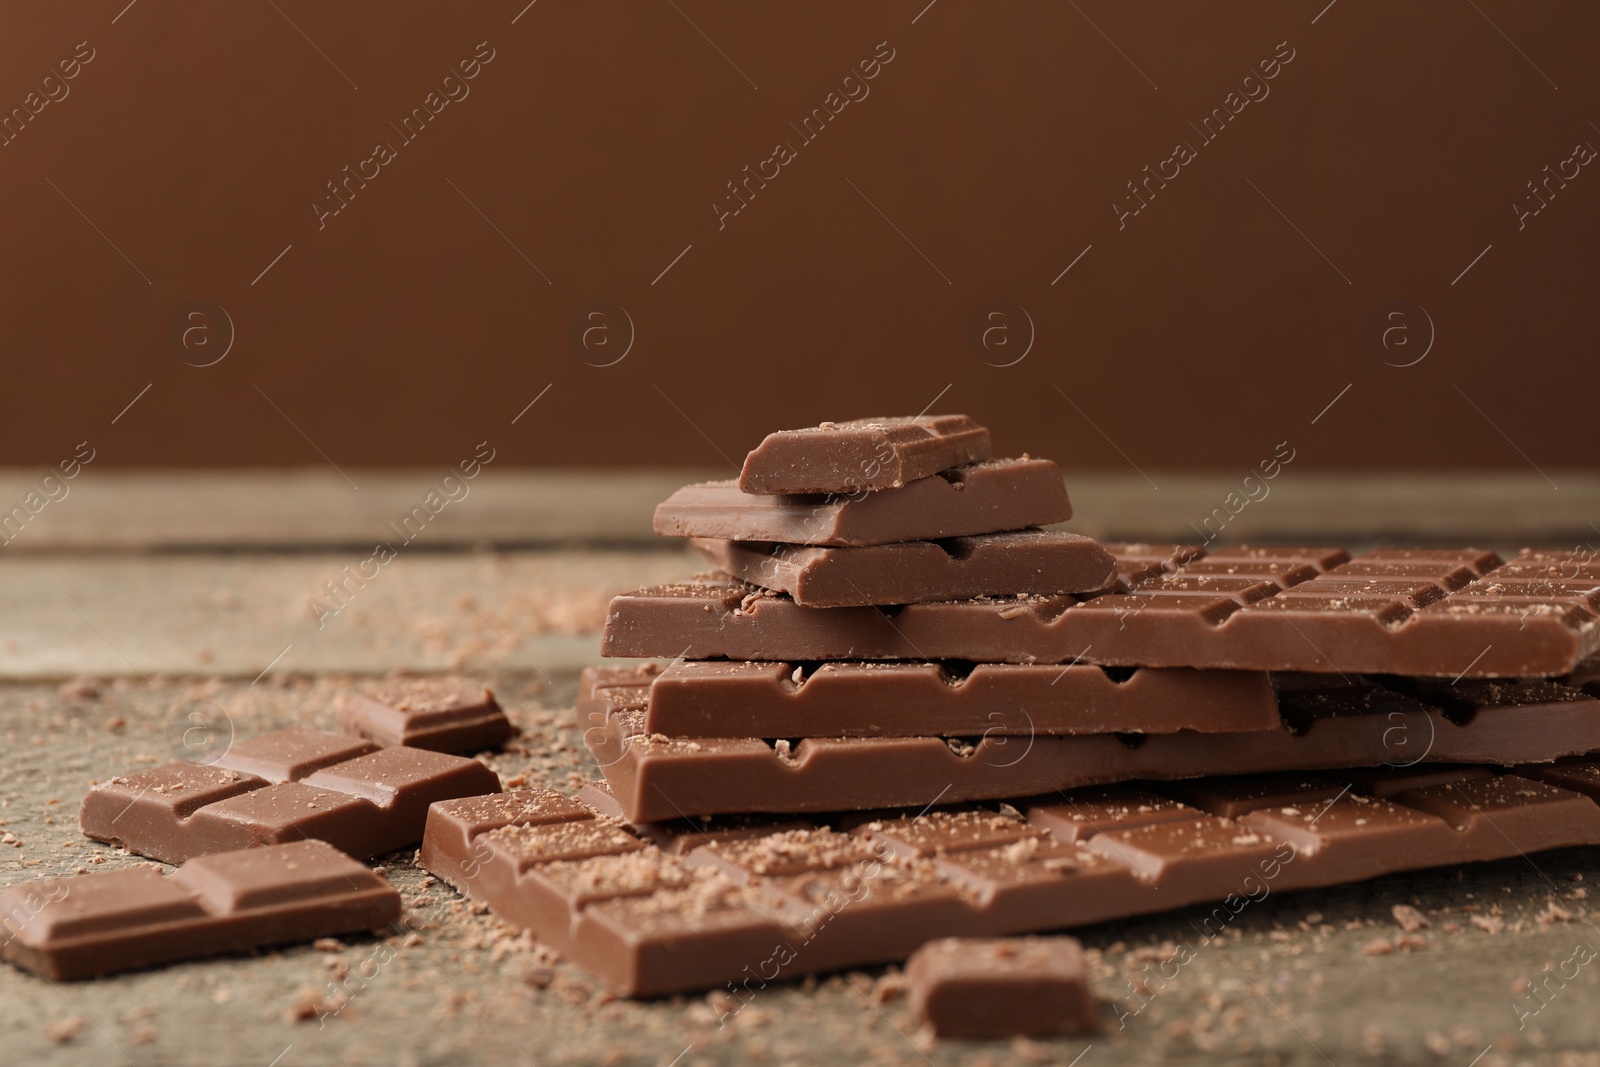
(1001, 494)
(1353, 724)
(93, 924)
(440, 714)
(862, 454)
(1002, 564)
(1446, 613)
(741, 913)
(713, 698)
(1001, 987)
(279, 787)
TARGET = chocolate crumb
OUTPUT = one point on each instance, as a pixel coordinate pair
(62, 1031)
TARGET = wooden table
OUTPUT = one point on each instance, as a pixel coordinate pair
(139, 595)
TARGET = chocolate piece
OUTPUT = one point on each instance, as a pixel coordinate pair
(1001, 494)
(440, 714)
(1001, 987)
(1424, 614)
(712, 698)
(653, 777)
(279, 787)
(862, 454)
(679, 836)
(591, 680)
(597, 796)
(68, 928)
(741, 914)
(1023, 561)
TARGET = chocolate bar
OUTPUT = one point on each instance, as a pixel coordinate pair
(680, 836)
(713, 698)
(862, 454)
(94, 924)
(279, 787)
(1001, 494)
(440, 714)
(1022, 561)
(1001, 987)
(743, 912)
(1354, 724)
(1448, 613)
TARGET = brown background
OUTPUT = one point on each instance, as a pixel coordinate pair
(408, 329)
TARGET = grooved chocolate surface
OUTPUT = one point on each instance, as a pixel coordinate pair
(440, 714)
(65, 928)
(280, 787)
(794, 901)
(1001, 564)
(862, 454)
(1000, 494)
(1001, 987)
(653, 777)
(1448, 613)
(714, 698)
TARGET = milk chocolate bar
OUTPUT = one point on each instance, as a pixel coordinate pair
(1000, 494)
(862, 454)
(1354, 724)
(681, 836)
(1448, 613)
(1022, 561)
(714, 698)
(1001, 987)
(279, 787)
(93, 924)
(741, 913)
(440, 714)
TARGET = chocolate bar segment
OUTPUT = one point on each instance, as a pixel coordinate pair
(94, 924)
(1358, 724)
(1001, 494)
(439, 714)
(713, 698)
(1022, 561)
(862, 454)
(592, 680)
(280, 787)
(1001, 987)
(816, 898)
(1427, 615)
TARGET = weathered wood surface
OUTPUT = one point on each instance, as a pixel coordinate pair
(121, 510)
(1289, 982)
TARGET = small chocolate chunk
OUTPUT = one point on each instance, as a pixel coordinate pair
(441, 714)
(1002, 987)
(862, 454)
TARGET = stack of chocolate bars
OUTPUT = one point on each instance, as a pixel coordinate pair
(901, 711)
